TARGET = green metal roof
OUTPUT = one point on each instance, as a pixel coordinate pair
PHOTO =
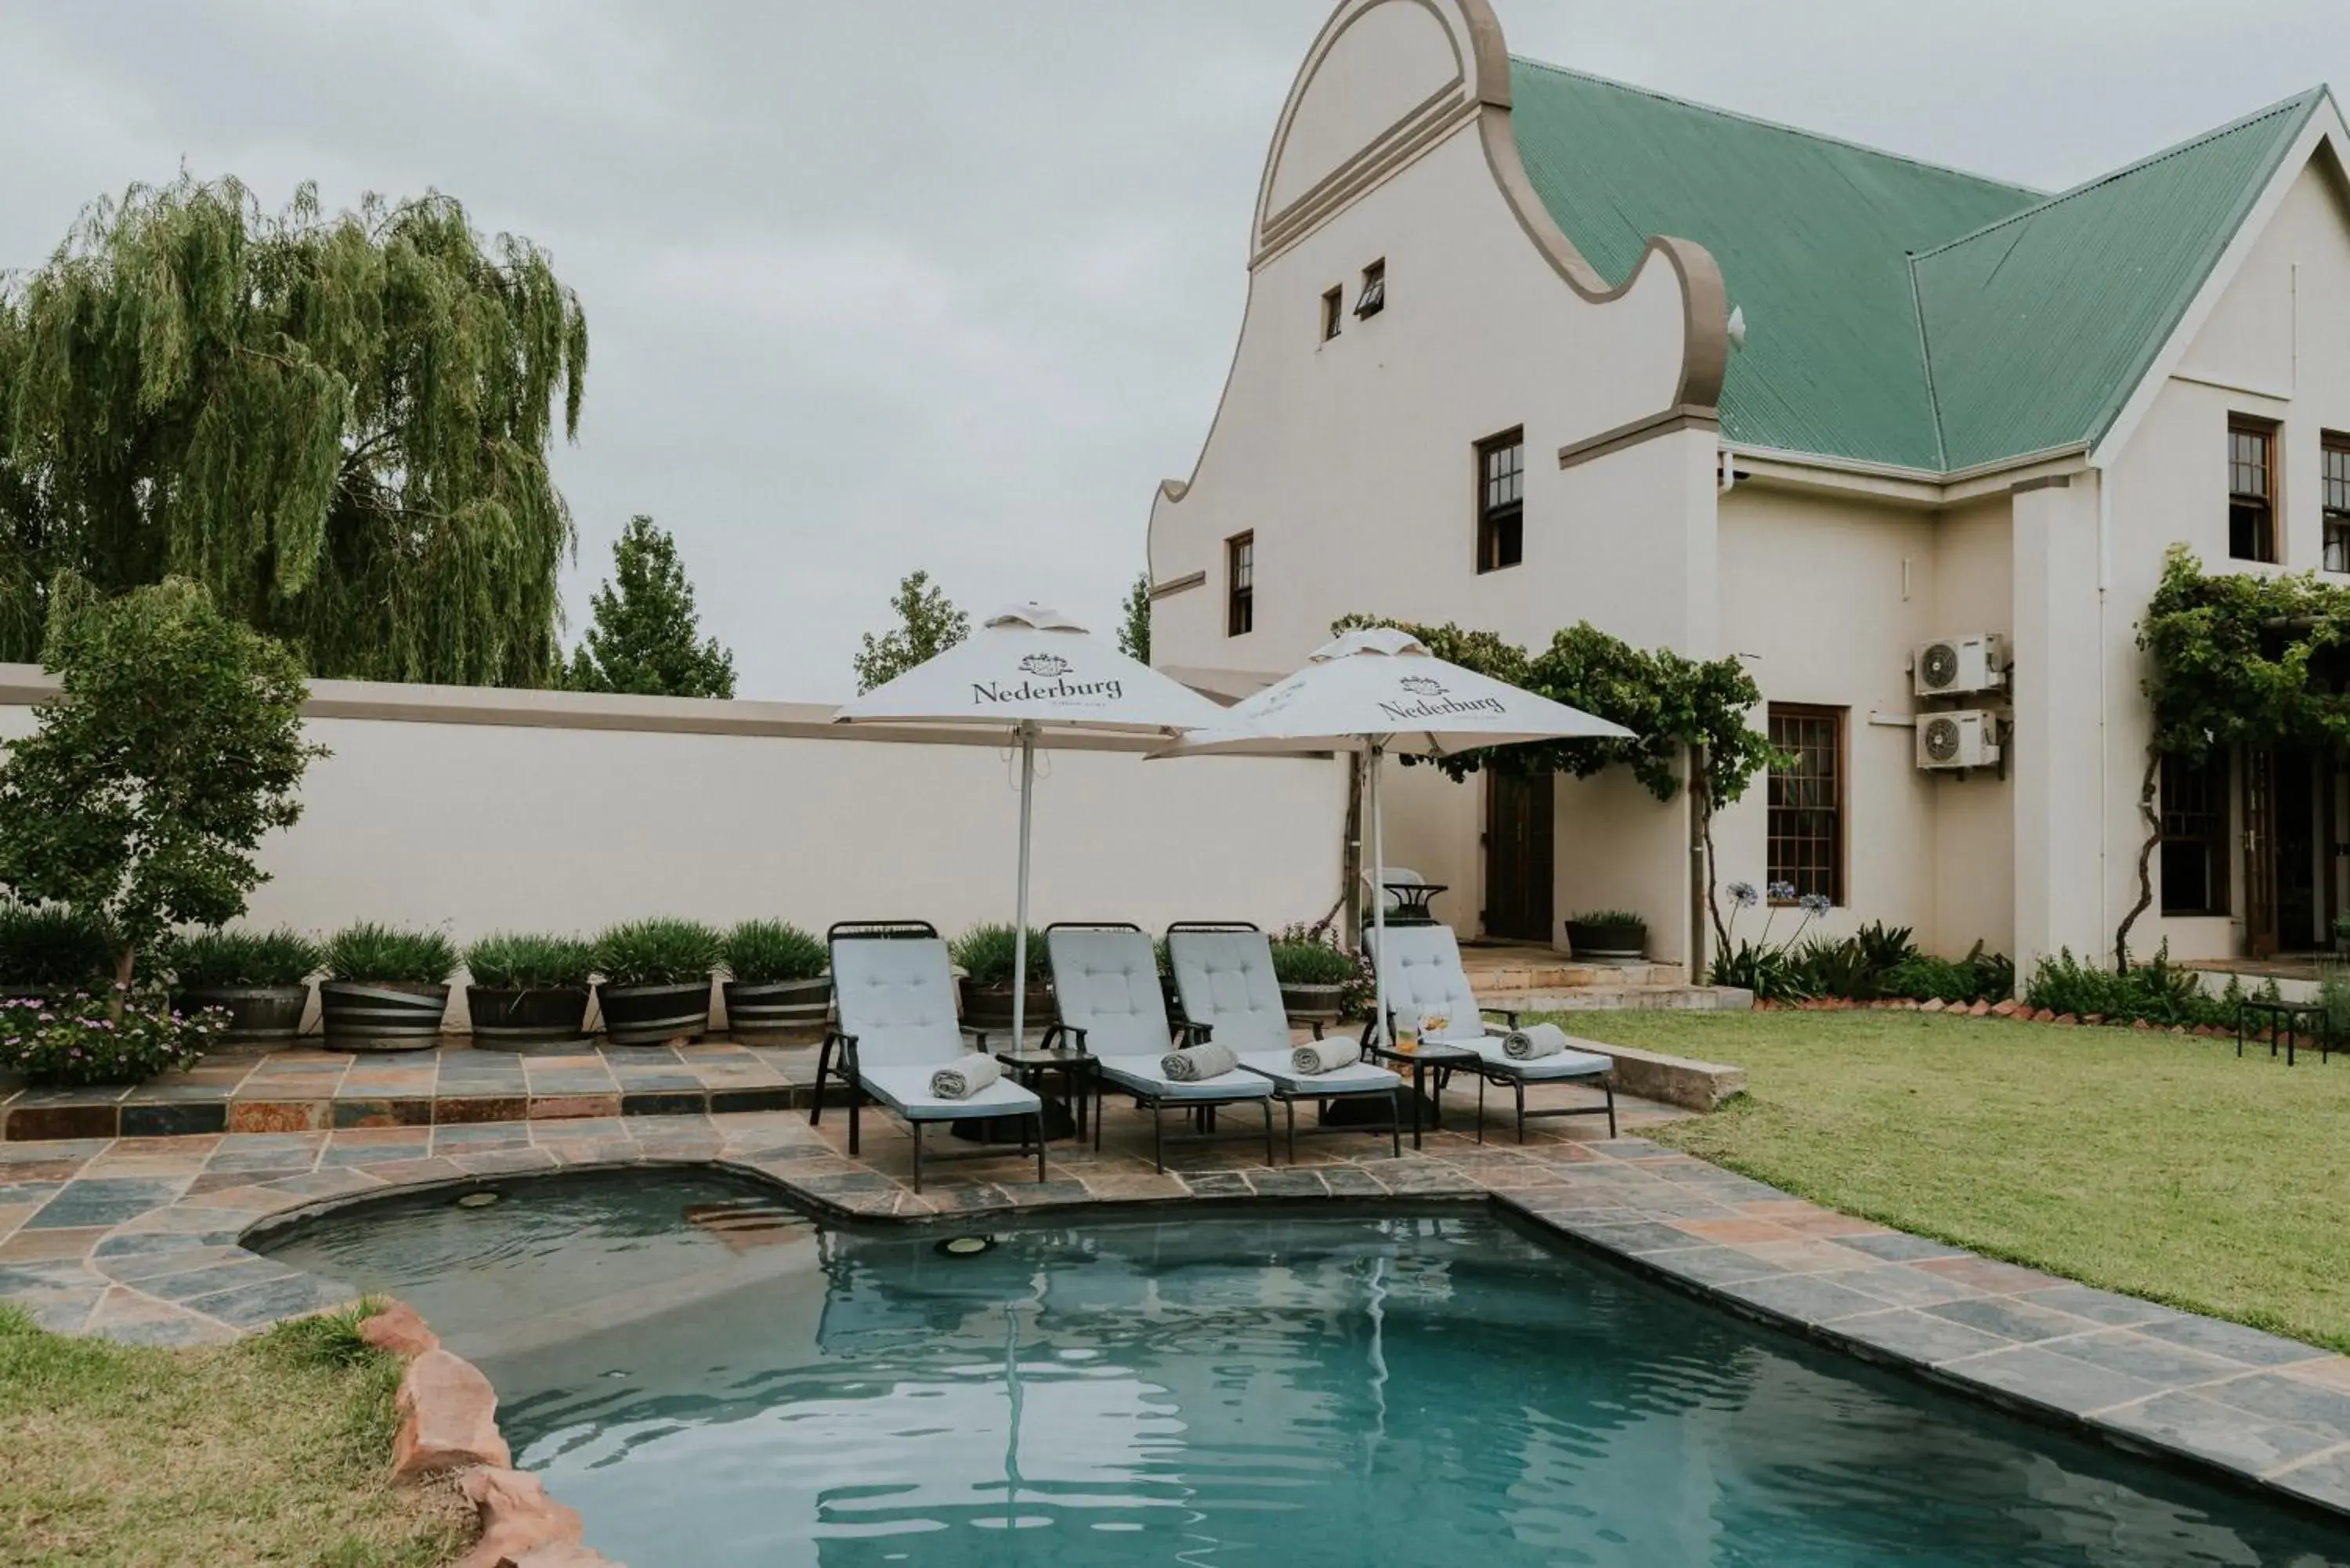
(2069, 296)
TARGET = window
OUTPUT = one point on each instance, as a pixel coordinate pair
(2337, 501)
(1239, 585)
(1334, 311)
(1501, 503)
(2251, 490)
(2195, 837)
(1374, 296)
(1806, 801)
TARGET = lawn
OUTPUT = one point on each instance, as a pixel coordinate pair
(273, 1451)
(2151, 1164)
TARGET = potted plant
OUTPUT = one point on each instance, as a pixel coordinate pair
(260, 979)
(385, 989)
(656, 980)
(1606, 934)
(986, 955)
(775, 981)
(528, 990)
(1313, 976)
(49, 949)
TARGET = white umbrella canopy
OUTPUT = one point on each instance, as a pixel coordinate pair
(1030, 670)
(1377, 691)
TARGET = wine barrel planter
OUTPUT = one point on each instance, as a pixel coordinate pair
(381, 1015)
(793, 1010)
(1310, 1003)
(503, 1018)
(1609, 941)
(258, 1014)
(651, 1015)
(990, 1006)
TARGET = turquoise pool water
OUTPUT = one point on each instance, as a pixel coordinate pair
(713, 1382)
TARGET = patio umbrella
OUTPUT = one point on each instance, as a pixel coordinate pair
(1379, 690)
(1029, 671)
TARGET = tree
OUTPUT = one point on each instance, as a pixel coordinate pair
(1134, 636)
(144, 789)
(642, 637)
(338, 425)
(927, 625)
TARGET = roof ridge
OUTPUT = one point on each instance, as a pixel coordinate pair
(2303, 101)
(1756, 119)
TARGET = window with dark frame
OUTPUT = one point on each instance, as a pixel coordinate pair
(1334, 312)
(1240, 589)
(2195, 835)
(1805, 826)
(1500, 501)
(2336, 502)
(2251, 490)
(1374, 295)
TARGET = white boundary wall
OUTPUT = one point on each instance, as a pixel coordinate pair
(480, 810)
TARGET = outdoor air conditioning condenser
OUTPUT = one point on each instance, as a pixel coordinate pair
(1962, 738)
(1953, 666)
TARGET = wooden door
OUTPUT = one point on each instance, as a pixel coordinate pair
(1518, 856)
(2260, 852)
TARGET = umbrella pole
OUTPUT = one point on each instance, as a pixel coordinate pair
(1379, 903)
(1020, 931)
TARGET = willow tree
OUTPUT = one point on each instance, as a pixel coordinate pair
(337, 424)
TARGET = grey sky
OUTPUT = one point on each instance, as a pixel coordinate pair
(883, 284)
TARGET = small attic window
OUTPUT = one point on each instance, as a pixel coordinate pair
(1334, 312)
(1374, 297)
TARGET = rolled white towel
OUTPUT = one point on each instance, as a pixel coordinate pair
(1325, 1055)
(964, 1076)
(1195, 1063)
(1533, 1042)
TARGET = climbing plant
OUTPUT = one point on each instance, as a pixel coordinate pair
(1672, 704)
(336, 423)
(2234, 659)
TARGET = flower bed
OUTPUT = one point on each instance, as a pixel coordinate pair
(76, 1039)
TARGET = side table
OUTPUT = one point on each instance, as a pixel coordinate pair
(1063, 1079)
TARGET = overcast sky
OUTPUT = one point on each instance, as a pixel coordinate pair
(953, 284)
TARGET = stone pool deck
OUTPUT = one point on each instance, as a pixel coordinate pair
(139, 1239)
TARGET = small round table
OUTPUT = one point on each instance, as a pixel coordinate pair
(1411, 902)
(1421, 1057)
(1076, 1082)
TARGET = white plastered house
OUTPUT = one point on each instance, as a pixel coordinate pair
(1523, 348)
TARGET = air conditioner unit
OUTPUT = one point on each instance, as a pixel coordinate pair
(1952, 666)
(1964, 738)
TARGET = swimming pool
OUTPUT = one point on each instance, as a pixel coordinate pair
(712, 1380)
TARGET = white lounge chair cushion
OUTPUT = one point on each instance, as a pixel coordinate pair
(1226, 981)
(1565, 1064)
(1421, 966)
(906, 1091)
(1106, 984)
(1354, 1078)
(1237, 1085)
(896, 997)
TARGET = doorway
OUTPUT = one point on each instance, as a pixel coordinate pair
(1518, 856)
(2290, 853)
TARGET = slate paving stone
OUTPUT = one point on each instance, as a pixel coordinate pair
(1216, 1183)
(98, 1200)
(1897, 1247)
(2284, 1398)
(2232, 1340)
(256, 1305)
(2141, 1355)
(1288, 1184)
(2218, 1432)
(2108, 1307)
(1806, 1298)
(1712, 1265)
(190, 1283)
(1902, 1285)
(2325, 1480)
(2017, 1320)
(2042, 1377)
(1919, 1336)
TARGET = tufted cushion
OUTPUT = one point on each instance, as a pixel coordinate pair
(1106, 983)
(896, 995)
(1563, 1064)
(906, 1091)
(1421, 966)
(1354, 1078)
(1240, 1084)
(1226, 981)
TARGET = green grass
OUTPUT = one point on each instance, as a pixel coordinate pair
(276, 1449)
(2150, 1164)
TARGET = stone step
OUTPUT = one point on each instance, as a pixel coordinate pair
(1606, 998)
(1563, 974)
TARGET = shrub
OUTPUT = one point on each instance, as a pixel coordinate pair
(512, 960)
(52, 945)
(1360, 979)
(76, 1039)
(659, 952)
(367, 952)
(1824, 967)
(2156, 991)
(988, 952)
(1311, 963)
(1772, 973)
(1978, 977)
(764, 952)
(1884, 947)
(223, 959)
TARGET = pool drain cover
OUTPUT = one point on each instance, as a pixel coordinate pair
(965, 1246)
(477, 1200)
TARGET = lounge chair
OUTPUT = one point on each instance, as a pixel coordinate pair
(1224, 974)
(1422, 968)
(1106, 987)
(894, 1004)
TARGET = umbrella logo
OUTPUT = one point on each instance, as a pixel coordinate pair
(1421, 686)
(1045, 664)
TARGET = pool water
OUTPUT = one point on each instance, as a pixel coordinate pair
(713, 1381)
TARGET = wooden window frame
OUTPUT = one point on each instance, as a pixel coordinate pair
(2334, 501)
(1239, 584)
(2213, 814)
(1501, 525)
(1334, 311)
(2268, 531)
(1837, 872)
